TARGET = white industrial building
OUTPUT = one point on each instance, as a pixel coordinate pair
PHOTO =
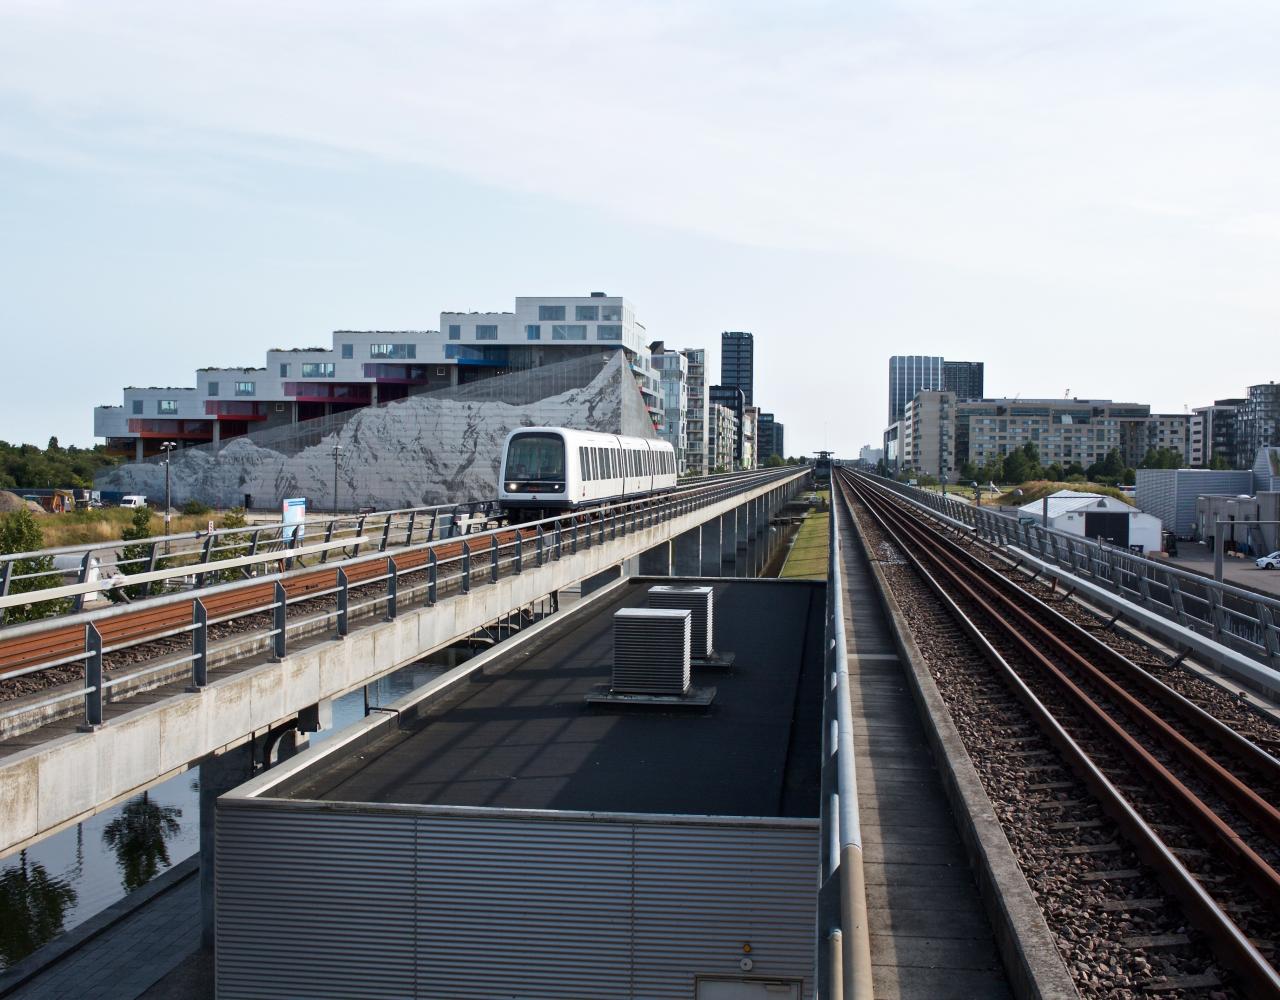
(1092, 515)
(1170, 494)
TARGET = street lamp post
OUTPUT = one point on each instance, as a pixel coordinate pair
(337, 450)
(167, 447)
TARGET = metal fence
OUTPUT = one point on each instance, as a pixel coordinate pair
(421, 573)
(1240, 619)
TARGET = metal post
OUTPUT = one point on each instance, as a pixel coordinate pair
(337, 450)
(519, 551)
(328, 537)
(1044, 512)
(393, 587)
(1217, 550)
(151, 566)
(206, 551)
(539, 548)
(5, 571)
(431, 528)
(279, 624)
(355, 549)
(200, 644)
(573, 549)
(433, 572)
(466, 568)
(408, 535)
(93, 697)
(84, 575)
(493, 565)
(386, 534)
(342, 602)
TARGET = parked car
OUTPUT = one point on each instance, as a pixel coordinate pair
(1269, 562)
(133, 501)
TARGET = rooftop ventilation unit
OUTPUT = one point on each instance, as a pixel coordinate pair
(700, 602)
(651, 660)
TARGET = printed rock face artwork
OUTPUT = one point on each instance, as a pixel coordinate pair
(423, 450)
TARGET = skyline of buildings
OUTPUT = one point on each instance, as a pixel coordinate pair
(362, 368)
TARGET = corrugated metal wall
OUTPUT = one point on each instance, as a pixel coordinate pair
(1170, 494)
(319, 902)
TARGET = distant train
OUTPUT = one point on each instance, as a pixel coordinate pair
(546, 470)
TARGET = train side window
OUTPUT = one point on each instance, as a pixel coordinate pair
(582, 461)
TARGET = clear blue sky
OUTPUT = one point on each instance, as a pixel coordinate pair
(1083, 196)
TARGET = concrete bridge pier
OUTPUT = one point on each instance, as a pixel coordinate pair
(687, 553)
(729, 544)
(657, 561)
(711, 553)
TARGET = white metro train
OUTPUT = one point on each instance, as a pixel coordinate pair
(546, 470)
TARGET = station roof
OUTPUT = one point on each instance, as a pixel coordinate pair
(520, 734)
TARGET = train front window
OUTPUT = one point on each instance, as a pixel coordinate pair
(535, 458)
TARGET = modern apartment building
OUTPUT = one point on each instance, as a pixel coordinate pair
(1258, 422)
(733, 398)
(1213, 432)
(722, 438)
(908, 374)
(964, 378)
(673, 374)
(365, 368)
(696, 412)
(737, 362)
(939, 430)
(1170, 430)
(750, 437)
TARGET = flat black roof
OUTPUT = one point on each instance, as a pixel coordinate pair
(520, 735)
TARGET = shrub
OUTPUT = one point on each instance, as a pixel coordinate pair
(194, 506)
(20, 533)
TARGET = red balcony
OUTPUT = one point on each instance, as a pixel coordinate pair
(181, 430)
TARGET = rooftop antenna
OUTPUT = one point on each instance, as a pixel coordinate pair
(1066, 393)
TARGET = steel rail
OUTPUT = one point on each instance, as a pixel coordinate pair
(965, 575)
(1232, 944)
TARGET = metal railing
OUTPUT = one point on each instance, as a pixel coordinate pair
(422, 573)
(201, 553)
(1240, 619)
(844, 946)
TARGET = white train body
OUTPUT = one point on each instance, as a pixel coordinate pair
(555, 469)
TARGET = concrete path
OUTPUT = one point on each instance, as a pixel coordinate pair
(130, 956)
(1242, 572)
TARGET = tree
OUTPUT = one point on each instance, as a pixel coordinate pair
(230, 546)
(1219, 462)
(774, 462)
(19, 532)
(135, 559)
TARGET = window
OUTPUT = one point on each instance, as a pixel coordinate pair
(549, 314)
(406, 352)
(137, 407)
(317, 369)
(284, 371)
(611, 313)
(167, 406)
(591, 313)
(568, 331)
(348, 352)
(535, 458)
(455, 331)
(213, 388)
(533, 332)
(486, 331)
(608, 331)
(245, 388)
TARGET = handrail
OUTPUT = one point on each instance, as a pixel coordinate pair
(855, 981)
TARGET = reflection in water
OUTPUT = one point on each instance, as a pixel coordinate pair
(139, 836)
(33, 905)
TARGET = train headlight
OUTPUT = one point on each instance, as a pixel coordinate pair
(513, 487)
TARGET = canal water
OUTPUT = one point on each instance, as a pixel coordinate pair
(75, 874)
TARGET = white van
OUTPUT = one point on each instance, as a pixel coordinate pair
(134, 501)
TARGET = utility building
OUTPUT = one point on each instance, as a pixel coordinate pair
(1092, 515)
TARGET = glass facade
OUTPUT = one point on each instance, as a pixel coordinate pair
(348, 352)
(403, 352)
(587, 313)
(317, 369)
(213, 388)
(550, 314)
(568, 331)
(455, 331)
(246, 388)
(609, 331)
(533, 332)
(486, 331)
(166, 406)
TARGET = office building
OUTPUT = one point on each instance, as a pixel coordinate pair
(673, 372)
(1213, 432)
(908, 374)
(963, 378)
(737, 362)
(1258, 422)
(769, 438)
(696, 413)
(870, 456)
(1172, 431)
(929, 433)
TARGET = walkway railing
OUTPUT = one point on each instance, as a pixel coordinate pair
(220, 618)
(1240, 619)
(844, 946)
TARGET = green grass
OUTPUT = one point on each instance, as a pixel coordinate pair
(808, 558)
(91, 527)
(1038, 489)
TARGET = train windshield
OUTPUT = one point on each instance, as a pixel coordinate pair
(535, 458)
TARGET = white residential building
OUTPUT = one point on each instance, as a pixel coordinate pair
(698, 430)
(672, 368)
